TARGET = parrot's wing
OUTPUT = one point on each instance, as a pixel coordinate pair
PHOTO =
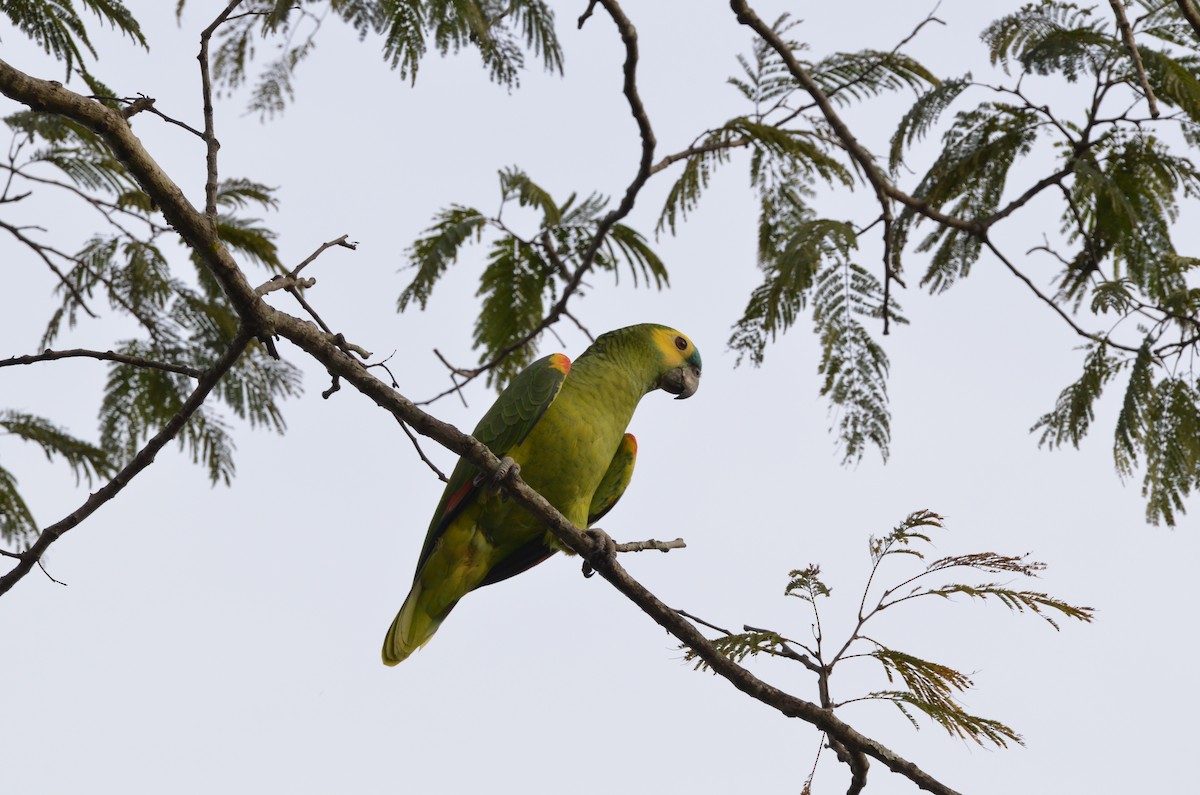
(503, 427)
(611, 487)
(615, 479)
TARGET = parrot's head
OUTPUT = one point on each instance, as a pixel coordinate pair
(681, 362)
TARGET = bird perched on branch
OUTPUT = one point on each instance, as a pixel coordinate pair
(563, 424)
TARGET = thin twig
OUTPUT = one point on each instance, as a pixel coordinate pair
(702, 622)
(210, 136)
(108, 356)
(412, 438)
(651, 544)
(341, 241)
(579, 325)
(41, 250)
(42, 566)
(1051, 302)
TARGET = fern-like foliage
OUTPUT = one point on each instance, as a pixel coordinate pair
(738, 647)
(85, 460)
(17, 524)
(793, 247)
(853, 363)
(56, 27)
(501, 31)
(924, 113)
(71, 149)
(1171, 443)
(525, 274)
(806, 584)
(1045, 36)
(1075, 409)
(967, 180)
(947, 712)
(921, 686)
(932, 688)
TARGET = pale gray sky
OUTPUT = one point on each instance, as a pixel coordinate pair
(227, 639)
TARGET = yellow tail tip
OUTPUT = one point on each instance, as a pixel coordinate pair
(410, 630)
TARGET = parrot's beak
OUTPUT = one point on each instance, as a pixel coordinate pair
(682, 382)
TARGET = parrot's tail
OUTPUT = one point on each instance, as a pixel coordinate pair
(411, 630)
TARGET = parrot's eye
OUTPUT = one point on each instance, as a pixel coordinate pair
(681, 343)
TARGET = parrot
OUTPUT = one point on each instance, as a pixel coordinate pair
(562, 424)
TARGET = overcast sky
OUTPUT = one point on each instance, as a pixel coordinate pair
(227, 639)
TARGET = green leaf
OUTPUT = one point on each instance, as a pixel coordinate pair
(85, 460)
(1042, 35)
(853, 363)
(516, 184)
(847, 77)
(1019, 601)
(955, 720)
(626, 243)
(1126, 194)
(437, 250)
(56, 27)
(1132, 419)
(1075, 409)
(1172, 448)
(923, 114)
(806, 584)
(792, 246)
(17, 525)
(513, 286)
(738, 647)
(899, 540)
(967, 180)
(767, 79)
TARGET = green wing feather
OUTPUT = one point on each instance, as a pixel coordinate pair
(615, 480)
(506, 424)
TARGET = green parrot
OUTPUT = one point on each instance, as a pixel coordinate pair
(563, 424)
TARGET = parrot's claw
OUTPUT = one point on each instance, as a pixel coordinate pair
(505, 469)
(602, 547)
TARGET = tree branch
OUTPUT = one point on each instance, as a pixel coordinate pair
(41, 250)
(108, 356)
(210, 137)
(1191, 14)
(144, 458)
(884, 189)
(1051, 302)
(1118, 8)
(260, 317)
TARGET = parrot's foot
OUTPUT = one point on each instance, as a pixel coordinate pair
(602, 547)
(505, 469)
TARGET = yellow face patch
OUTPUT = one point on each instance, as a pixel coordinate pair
(675, 346)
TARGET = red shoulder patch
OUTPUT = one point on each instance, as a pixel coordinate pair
(631, 440)
(560, 362)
